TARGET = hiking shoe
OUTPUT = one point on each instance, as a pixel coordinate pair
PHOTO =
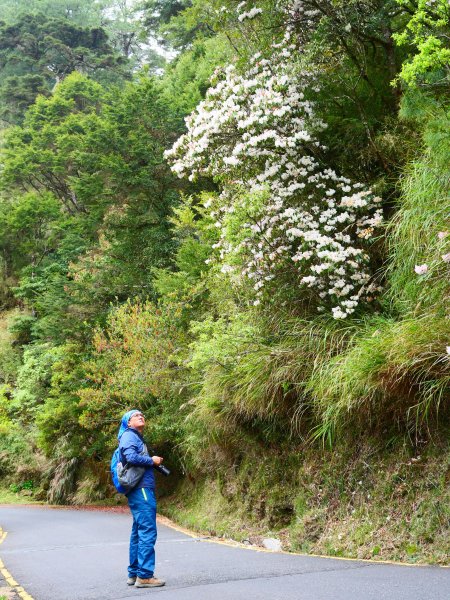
(131, 580)
(146, 583)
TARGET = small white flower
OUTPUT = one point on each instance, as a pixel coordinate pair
(226, 269)
(421, 269)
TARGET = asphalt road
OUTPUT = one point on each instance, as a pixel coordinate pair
(63, 554)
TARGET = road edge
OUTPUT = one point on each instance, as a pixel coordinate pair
(235, 544)
(14, 590)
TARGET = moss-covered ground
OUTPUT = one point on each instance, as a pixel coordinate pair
(9, 497)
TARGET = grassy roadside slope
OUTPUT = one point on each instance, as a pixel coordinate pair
(358, 502)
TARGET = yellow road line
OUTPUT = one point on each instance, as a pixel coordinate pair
(8, 577)
(23, 594)
(3, 535)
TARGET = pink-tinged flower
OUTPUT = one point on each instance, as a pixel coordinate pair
(421, 269)
(442, 234)
(446, 257)
(448, 349)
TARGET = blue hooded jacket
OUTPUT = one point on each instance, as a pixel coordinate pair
(131, 444)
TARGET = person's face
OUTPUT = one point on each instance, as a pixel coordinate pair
(137, 422)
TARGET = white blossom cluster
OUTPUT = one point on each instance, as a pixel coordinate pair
(242, 14)
(249, 14)
(257, 133)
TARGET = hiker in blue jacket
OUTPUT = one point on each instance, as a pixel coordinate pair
(142, 502)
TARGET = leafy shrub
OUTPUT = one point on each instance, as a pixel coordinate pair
(18, 487)
(133, 365)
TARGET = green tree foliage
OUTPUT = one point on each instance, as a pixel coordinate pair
(40, 154)
(118, 270)
(58, 414)
(9, 355)
(86, 13)
(93, 165)
(38, 51)
(122, 20)
(187, 77)
(27, 230)
(168, 19)
(427, 31)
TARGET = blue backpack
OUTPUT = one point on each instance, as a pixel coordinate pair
(115, 460)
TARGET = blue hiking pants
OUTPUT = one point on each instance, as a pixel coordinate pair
(142, 503)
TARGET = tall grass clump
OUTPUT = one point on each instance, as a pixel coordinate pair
(251, 377)
(419, 233)
(394, 373)
(415, 240)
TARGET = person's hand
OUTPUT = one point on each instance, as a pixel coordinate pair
(157, 460)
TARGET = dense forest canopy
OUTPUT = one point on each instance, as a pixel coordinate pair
(233, 216)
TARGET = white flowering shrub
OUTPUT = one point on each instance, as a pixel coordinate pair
(256, 134)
